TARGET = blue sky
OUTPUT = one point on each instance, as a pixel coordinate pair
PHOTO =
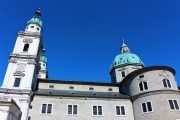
(82, 37)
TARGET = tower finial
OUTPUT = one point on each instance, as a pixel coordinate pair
(38, 13)
(123, 40)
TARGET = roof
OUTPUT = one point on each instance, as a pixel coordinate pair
(126, 59)
(36, 19)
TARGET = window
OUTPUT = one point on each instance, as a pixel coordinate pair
(123, 74)
(29, 118)
(17, 82)
(143, 86)
(97, 110)
(26, 47)
(110, 89)
(166, 83)
(71, 88)
(173, 105)
(46, 108)
(91, 88)
(120, 110)
(141, 76)
(51, 86)
(72, 109)
(37, 29)
(146, 107)
(32, 26)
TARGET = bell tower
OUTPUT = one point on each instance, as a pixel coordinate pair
(24, 64)
(23, 61)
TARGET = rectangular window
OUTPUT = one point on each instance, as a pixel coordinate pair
(97, 110)
(120, 110)
(72, 109)
(29, 118)
(49, 108)
(173, 105)
(46, 108)
(143, 86)
(123, 74)
(166, 83)
(146, 107)
(17, 82)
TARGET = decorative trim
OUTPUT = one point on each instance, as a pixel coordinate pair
(19, 73)
(27, 40)
(156, 92)
(31, 61)
(12, 60)
(23, 56)
(36, 34)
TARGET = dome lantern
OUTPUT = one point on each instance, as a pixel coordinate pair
(36, 19)
(125, 58)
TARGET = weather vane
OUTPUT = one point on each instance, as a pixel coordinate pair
(123, 40)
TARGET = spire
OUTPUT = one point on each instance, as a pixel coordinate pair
(38, 14)
(124, 48)
(36, 19)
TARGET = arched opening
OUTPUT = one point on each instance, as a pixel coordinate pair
(26, 47)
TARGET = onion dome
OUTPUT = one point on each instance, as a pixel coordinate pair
(126, 58)
(43, 57)
(36, 19)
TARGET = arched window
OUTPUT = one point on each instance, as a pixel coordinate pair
(166, 83)
(26, 47)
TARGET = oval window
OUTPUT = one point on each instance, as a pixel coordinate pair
(141, 76)
(71, 87)
(51, 86)
(110, 89)
(91, 88)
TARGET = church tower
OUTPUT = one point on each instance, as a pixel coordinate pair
(124, 63)
(25, 64)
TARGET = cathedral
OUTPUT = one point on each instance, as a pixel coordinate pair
(136, 92)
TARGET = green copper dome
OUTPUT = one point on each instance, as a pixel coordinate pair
(125, 58)
(43, 57)
(36, 19)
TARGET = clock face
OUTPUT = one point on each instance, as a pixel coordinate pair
(21, 67)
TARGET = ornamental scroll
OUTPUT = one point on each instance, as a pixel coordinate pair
(27, 40)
